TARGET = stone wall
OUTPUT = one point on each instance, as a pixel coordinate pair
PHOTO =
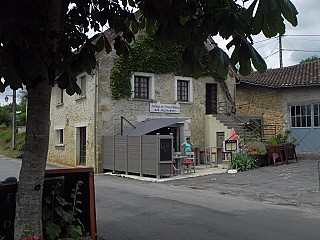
(258, 101)
(74, 112)
(272, 104)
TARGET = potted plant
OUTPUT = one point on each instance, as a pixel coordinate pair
(257, 149)
(280, 145)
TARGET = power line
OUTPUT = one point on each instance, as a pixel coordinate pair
(266, 44)
(271, 54)
(302, 35)
(299, 50)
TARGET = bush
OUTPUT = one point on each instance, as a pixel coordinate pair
(256, 148)
(243, 162)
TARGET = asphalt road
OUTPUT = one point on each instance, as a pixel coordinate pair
(128, 209)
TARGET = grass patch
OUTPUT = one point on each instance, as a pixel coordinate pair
(5, 142)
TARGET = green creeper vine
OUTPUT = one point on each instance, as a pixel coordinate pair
(148, 55)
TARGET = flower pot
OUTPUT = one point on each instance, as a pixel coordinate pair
(262, 160)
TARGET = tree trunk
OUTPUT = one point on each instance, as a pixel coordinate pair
(29, 195)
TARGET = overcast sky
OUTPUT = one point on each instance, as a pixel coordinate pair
(298, 43)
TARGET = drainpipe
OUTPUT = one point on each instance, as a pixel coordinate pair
(95, 116)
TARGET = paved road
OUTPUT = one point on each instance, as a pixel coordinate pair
(128, 209)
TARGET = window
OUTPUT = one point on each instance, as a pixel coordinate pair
(183, 89)
(300, 115)
(59, 137)
(59, 96)
(143, 86)
(316, 115)
(82, 83)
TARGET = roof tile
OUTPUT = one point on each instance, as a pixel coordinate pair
(305, 74)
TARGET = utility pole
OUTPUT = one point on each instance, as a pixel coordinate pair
(14, 117)
(280, 51)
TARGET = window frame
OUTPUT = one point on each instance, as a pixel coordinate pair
(59, 136)
(82, 85)
(301, 116)
(60, 96)
(190, 88)
(151, 85)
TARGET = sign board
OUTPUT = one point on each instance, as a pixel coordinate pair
(230, 145)
(164, 108)
(165, 149)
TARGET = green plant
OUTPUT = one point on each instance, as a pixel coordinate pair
(255, 148)
(150, 55)
(5, 142)
(29, 233)
(243, 162)
(279, 138)
(60, 216)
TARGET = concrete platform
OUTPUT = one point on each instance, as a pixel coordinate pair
(201, 170)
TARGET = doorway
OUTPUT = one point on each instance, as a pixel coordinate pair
(167, 131)
(81, 146)
(211, 98)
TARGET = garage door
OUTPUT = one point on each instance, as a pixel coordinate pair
(305, 126)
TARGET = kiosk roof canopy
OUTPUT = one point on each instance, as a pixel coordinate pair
(151, 124)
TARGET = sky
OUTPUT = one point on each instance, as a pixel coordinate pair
(298, 42)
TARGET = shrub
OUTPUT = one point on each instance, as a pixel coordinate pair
(243, 162)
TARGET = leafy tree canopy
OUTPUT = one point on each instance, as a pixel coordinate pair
(41, 40)
(310, 59)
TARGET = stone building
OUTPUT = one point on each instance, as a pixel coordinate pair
(79, 122)
(287, 98)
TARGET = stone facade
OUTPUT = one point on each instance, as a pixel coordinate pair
(272, 103)
(101, 115)
(263, 102)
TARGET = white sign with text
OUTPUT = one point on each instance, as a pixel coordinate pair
(164, 108)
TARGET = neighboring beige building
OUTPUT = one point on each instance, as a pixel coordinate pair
(78, 123)
(287, 98)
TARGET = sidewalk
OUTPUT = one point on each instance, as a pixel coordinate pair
(201, 170)
(295, 184)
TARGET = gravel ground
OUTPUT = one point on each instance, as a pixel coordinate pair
(295, 184)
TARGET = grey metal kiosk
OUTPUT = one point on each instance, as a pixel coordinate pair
(144, 155)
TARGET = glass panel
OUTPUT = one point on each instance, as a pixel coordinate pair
(303, 110)
(316, 121)
(308, 121)
(293, 122)
(298, 110)
(303, 122)
(298, 122)
(308, 110)
(293, 111)
(316, 109)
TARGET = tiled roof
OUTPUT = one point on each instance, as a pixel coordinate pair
(305, 74)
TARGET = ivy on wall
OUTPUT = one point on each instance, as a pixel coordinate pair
(148, 55)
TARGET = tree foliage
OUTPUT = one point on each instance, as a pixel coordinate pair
(44, 42)
(310, 59)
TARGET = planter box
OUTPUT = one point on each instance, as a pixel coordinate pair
(262, 159)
